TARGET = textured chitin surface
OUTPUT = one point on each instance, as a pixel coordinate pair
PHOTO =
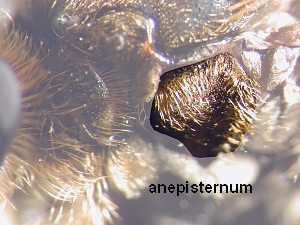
(82, 146)
(208, 106)
(205, 20)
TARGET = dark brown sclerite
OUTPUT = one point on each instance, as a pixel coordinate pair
(208, 106)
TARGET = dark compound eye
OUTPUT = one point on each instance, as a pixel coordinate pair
(208, 106)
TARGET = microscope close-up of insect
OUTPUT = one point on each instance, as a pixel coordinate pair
(100, 101)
